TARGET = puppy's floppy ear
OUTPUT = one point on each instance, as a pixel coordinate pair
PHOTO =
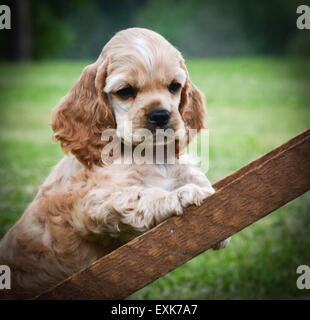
(193, 111)
(192, 105)
(83, 114)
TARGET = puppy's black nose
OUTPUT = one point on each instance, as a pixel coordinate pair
(159, 118)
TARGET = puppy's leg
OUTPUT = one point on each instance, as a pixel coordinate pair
(197, 187)
(137, 208)
(145, 208)
(158, 206)
(192, 194)
(133, 208)
(222, 244)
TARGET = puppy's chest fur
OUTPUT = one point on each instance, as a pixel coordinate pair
(69, 175)
(158, 176)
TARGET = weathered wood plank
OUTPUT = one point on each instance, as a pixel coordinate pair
(242, 198)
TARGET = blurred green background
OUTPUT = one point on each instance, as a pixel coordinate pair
(77, 29)
(248, 58)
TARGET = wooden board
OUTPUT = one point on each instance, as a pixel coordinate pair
(242, 198)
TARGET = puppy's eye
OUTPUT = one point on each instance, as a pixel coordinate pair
(174, 87)
(126, 93)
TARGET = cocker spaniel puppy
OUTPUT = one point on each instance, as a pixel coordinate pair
(91, 204)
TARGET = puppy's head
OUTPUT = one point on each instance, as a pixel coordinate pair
(138, 82)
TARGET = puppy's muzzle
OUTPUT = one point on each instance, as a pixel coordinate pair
(159, 118)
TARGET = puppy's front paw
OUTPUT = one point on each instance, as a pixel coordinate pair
(193, 194)
(222, 244)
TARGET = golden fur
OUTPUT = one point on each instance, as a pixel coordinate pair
(85, 209)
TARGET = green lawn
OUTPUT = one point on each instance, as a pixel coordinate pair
(254, 105)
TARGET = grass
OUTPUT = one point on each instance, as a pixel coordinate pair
(253, 104)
